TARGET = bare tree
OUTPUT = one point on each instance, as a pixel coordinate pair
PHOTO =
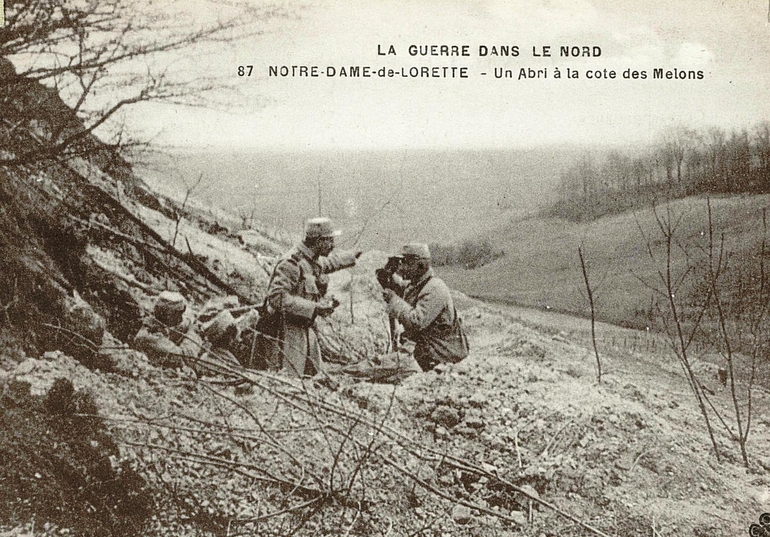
(70, 67)
(616, 171)
(246, 215)
(641, 171)
(739, 161)
(189, 190)
(698, 293)
(762, 144)
(590, 294)
(715, 142)
(677, 141)
(675, 269)
(739, 311)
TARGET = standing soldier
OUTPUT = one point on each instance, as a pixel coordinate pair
(296, 295)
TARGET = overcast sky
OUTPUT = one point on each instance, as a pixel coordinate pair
(729, 41)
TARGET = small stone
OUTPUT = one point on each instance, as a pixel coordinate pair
(624, 463)
(520, 517)
(561, 337)
(466, 431)
(26, 367)
(489, 468)
(461, 514)
(474, 420)
(528, 489)
(478, 400)
(440, 368)
(764, 463)
(446, 416)
(244, 389)
(187, 373)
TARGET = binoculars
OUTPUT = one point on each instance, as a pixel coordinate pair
(385, 274)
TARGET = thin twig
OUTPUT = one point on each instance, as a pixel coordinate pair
(545, 451)
(638, 458)
(355, 519)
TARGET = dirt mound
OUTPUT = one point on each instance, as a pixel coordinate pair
(76, 254)
(518, 439)
(59, 465)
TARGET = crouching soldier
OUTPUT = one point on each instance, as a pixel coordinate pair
(221, 333)
(422, 303)
(168, 337)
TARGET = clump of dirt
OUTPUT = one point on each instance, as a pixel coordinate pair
(57, 463)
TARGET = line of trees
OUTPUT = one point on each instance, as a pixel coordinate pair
(470, 254)
(683, 162)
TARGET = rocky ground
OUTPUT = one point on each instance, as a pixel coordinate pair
(518, 439)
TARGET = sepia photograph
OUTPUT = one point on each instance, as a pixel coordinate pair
(384, 268)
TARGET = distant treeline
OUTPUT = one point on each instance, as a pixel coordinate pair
(470, 254)
(683, 162)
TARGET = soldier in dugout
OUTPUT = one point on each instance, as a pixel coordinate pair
(167, 337)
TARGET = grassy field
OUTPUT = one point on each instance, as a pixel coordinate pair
(541, 267)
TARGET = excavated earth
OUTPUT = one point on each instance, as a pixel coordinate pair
(171, 454)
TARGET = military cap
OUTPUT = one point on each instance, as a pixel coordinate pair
(219, 326)
(171, 302)
(415, 249)
(320, 227)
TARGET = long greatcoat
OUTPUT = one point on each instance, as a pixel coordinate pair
(298, 282)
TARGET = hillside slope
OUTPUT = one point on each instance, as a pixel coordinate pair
(541, 267)
(76, 253)
(518, 439)
(444, 453)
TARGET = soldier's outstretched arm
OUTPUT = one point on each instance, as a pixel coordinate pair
(337, 261)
